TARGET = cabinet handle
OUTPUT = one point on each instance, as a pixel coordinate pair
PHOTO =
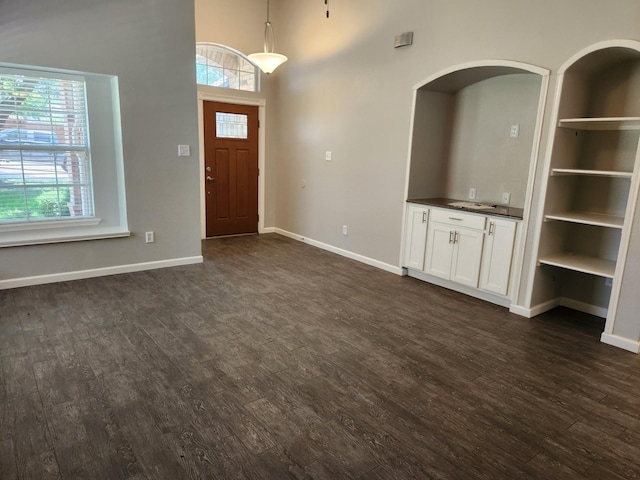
(424, 216)
(492, 227)
(456, 219)
(455, 237)
(451, 237)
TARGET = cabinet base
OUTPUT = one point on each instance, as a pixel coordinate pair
(472, 292)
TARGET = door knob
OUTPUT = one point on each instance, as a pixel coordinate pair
(209, 179)
(208, 169)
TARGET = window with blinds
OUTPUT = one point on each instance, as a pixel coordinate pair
(45, 160)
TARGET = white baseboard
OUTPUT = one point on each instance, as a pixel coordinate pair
(543, 307)
(97, 272)
(584, 307)
(559, 302)
(268, 230)
(520, 310)
(621, 342)
(345, 253)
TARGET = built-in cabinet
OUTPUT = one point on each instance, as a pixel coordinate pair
(497, 256)
(474, 250)
(591, 185)
(454, 246)
(415, 236)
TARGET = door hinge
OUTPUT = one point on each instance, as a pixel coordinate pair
(258, 217)
(258, 123)
(258, 172)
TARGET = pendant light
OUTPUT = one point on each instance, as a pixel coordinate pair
(268, 61)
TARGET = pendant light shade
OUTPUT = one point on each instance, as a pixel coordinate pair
(268, 60)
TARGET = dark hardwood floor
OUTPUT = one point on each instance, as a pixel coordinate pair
(276, 360)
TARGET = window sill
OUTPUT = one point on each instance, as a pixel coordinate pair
(69, 234)
(48, 224)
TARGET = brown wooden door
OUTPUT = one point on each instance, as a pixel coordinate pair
(231, 168)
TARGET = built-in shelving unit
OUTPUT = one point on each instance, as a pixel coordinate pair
(588, 218)
(591, 173)
(581, 263)
(592, 178)
(601, 123)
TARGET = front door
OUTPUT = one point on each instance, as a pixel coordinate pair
(231, 168)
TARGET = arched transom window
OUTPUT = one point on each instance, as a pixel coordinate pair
(220, 66)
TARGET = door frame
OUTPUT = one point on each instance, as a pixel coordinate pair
(261, 103)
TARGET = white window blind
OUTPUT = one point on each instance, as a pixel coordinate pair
(45, 160)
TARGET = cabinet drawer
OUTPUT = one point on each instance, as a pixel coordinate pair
(454, 217)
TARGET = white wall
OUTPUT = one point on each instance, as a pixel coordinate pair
(149, 45)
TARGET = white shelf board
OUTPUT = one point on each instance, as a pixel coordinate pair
(604, 123)
(588, 218)
(593, 173)
(581, 263)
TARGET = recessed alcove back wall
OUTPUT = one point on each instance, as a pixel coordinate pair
(461, 135)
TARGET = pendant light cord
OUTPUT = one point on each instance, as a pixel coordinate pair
(269, 36)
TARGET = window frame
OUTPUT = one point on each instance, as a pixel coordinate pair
(104, 138)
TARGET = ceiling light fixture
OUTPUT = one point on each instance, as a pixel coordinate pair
(268, 61)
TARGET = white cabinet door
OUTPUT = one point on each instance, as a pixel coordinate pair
(497, 255)
(467, 256)
(439, 250)
(415, 236)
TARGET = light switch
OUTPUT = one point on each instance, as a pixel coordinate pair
(328, 156)
(184, 150)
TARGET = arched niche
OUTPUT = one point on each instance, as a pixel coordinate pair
(460, 135)
(461, 131)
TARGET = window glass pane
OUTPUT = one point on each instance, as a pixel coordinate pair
(231, 125)
(231, 80)
(247, 82)
(44, 151)
(247, 66)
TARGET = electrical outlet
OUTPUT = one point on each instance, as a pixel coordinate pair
(344, 230)
(184, 150)
(149, 237)
(328, 156)
(506, 198)
(515, 131)
(472, 193)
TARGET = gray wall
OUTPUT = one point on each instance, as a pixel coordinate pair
(482, 154)
(149, 45)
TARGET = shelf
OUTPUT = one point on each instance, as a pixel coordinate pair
(607, 123)
(587, 218)
(581, 263)
(593, 173)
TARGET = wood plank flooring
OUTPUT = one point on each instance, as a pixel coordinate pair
(276, 360)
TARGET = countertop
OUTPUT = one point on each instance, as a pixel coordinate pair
(498, 211)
